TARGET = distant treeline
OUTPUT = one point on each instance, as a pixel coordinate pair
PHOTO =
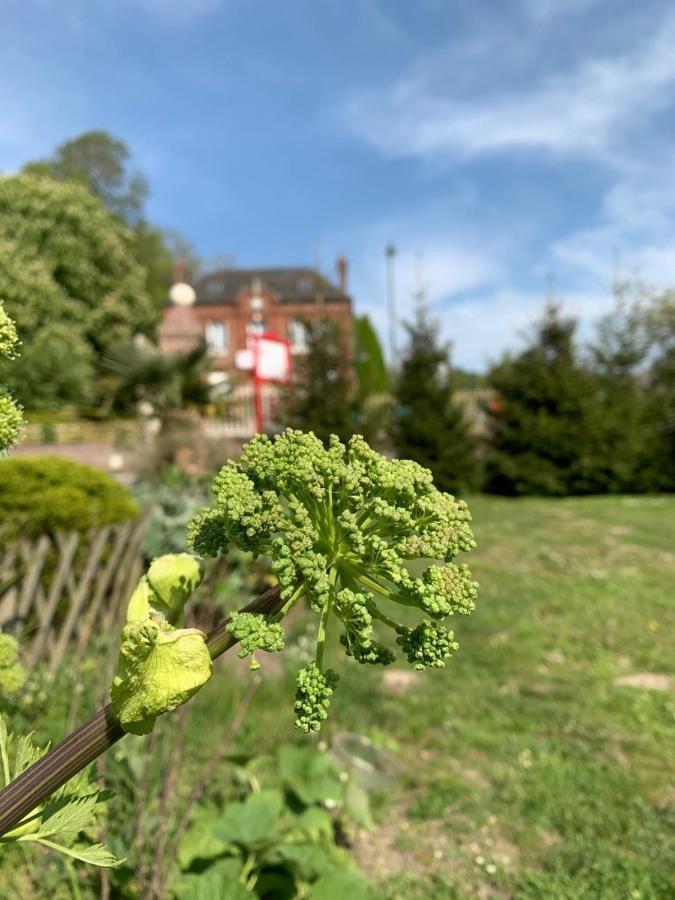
(561, 417)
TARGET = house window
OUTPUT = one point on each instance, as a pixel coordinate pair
(298, 336)
(217, 336)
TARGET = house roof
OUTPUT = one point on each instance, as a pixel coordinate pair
(297, 285)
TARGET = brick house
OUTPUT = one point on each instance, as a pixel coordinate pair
(226, 306)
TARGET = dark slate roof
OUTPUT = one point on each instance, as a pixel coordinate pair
(291, 285)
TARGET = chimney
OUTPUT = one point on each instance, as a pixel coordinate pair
(342, 267)
(179, 272)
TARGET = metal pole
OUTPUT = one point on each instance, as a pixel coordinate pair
(390, 255)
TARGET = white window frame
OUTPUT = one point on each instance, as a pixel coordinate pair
(298, 336)
(217, 336)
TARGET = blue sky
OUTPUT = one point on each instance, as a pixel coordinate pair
(492, 142)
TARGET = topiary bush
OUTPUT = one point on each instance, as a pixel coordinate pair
(45, 494)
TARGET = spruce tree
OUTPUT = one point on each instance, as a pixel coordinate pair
(660, 384)
(620, 432)
(429, 426)
(540, 417)
(321, 395)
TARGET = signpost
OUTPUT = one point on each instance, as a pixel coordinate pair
(268, 357)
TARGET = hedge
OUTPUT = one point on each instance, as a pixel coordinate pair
(45, 494)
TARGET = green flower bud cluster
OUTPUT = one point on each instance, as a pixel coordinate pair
(12, 673)
(159, 666)
(312, 699)
(255, 632)
(428, 645)
(359, 536)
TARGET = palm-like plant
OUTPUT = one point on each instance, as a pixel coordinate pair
(139, 375)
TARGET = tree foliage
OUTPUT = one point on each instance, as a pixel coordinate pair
(540, 440)
(660, 387)
(102, 164)
(321, 396)
(10, 413)
(429, 426)
(98, 161)
(371, 371)
(65, 259)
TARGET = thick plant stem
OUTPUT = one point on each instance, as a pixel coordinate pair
(80, 748)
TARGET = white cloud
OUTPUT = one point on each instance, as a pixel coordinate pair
(481, 328)
(634, 233)
(448, 259)
(584, 110)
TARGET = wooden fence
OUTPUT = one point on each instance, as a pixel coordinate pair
(56, 590)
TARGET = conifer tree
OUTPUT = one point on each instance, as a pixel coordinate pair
(321, 395)
(429, 426)
(620, 431)
(539, 425)
(660, 385)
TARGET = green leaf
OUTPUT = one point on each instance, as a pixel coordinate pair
(95, 855)
(338, 885)
(311, 775)
(200, 842)
(357, 805)
(71, 816)
(308, 861)
(159, 668)
(25, 754)
(4, 751)
(252, 821)
(316, 823)
(219, 882)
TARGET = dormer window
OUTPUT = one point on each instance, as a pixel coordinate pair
(305, 285)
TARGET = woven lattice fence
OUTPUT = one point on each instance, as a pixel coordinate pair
(57, 590)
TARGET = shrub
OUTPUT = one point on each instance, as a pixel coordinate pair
(47, 494)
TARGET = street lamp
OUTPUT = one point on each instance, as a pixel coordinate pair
(390, 255)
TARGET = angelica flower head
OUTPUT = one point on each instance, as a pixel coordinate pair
(342, 526)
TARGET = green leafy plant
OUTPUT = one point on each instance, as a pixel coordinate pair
(68, 813)
(342, 526)
(368, 542)
(280, 838)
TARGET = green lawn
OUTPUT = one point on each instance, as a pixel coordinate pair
(528, 771)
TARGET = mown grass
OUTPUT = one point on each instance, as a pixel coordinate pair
(525, 770)
(529, 772)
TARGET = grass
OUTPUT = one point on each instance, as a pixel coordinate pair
(528, 771)
(525, 770)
